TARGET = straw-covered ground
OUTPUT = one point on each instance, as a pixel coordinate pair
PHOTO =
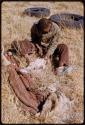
(15, 26)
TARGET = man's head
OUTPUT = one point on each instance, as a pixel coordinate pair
(44, 25)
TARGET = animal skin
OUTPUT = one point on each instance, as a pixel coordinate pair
(22, 84)
(23, 47)
(36, 65)
(19, 84)
(20, 90)
(57, 106)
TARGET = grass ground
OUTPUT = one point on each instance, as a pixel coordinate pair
(15, 26)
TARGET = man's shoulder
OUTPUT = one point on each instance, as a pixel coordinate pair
(56, 28)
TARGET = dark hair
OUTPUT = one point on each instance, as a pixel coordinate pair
(43, 23)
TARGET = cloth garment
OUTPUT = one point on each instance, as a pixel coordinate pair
(48, 42)
(60, 56)
(60, 59)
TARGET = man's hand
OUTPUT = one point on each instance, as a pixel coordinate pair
(39, 49)
(48, 58)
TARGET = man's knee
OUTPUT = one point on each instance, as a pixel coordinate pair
(62, 53)
(62, 47)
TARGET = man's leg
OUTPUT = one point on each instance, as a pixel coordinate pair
(63, 55)
(60, 57)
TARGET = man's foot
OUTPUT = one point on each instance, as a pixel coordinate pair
(64, 70)
(69, 69)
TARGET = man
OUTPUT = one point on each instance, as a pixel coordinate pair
(45, 36)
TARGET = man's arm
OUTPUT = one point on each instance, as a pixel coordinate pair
(55, 41)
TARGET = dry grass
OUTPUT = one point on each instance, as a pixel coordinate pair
(16, 26)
